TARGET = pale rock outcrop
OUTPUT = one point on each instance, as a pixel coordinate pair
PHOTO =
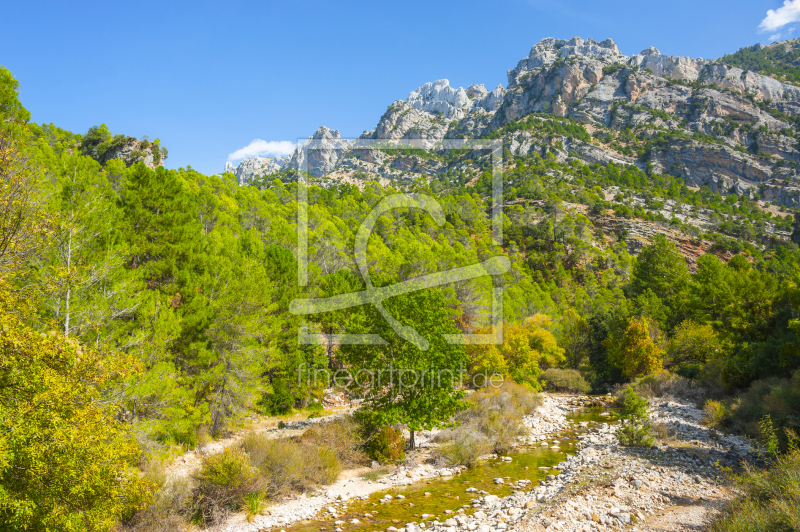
(252, 167)
(668, 66)
(131, 151)
(439, 97)
(718, 167)
(320, 153)
(547, 51)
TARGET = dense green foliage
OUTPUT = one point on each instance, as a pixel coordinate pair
(188, 279)
(635, 428)
(770, 501)
(773, 60)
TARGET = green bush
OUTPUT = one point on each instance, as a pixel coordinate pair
(714, 413)
(773, 397)
(635, 429)
(343, 436)
(564, 380)
(221, 484)
(253, 504)
(770, 499)
(386, 445)
(286, 466)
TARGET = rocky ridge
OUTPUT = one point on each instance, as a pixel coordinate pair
(252, 167)
(722, 127)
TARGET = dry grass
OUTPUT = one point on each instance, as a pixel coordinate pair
(564, 380)
(492, 423)
(290, 466)
(343, 437)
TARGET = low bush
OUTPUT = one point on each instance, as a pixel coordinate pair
(343, 436)
(714, 413)
(290, 466)
(221, 484)
(492, 423)
(774, 397)
(168, 510)
(375, 474)
(770, 499)
(253, 505)
(564, 380)
(635, 429)
(386, 445)
(464, 446)
(665, 384)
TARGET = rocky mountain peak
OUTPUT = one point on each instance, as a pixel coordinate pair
(549, 50)
(439, 97)
(325, 133)
(252, 167)
(320, 153)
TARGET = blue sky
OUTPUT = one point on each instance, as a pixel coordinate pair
(207, 78)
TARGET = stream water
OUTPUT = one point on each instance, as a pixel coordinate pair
(434, 496)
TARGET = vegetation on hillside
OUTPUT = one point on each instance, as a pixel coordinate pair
(151, 309)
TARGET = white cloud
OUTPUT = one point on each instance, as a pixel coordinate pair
(778, 18)
(262, 147)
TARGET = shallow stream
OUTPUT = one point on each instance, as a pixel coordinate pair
(433, 496)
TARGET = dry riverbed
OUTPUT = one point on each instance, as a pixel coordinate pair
(602, 486)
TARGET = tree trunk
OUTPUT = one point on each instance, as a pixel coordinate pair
(413, 442)
(69, 284)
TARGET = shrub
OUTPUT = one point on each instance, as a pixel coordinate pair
(463, 447)
(770, 500)
(221, 484)
(715, 413)
(386, 445)
(635, 429)
(168, 510)
(565, 380)
(343, 437)
(773, 397)
(253, 505)
(493, 422)
(288, 465)
(665, 384)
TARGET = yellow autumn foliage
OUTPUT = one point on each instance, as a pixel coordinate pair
(527, 349)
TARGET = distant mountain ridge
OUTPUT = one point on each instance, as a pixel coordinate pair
(708, 121)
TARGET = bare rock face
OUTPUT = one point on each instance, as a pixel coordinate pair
(438, 97)
(719, 167)
(132, 151)
(251, 167)
(321, 152)
(716, 125)
(436, 111)
(404, 121)
(547, 51)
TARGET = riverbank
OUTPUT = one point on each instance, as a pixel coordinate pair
(599, 486)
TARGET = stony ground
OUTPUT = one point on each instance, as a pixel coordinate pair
(675, 486)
